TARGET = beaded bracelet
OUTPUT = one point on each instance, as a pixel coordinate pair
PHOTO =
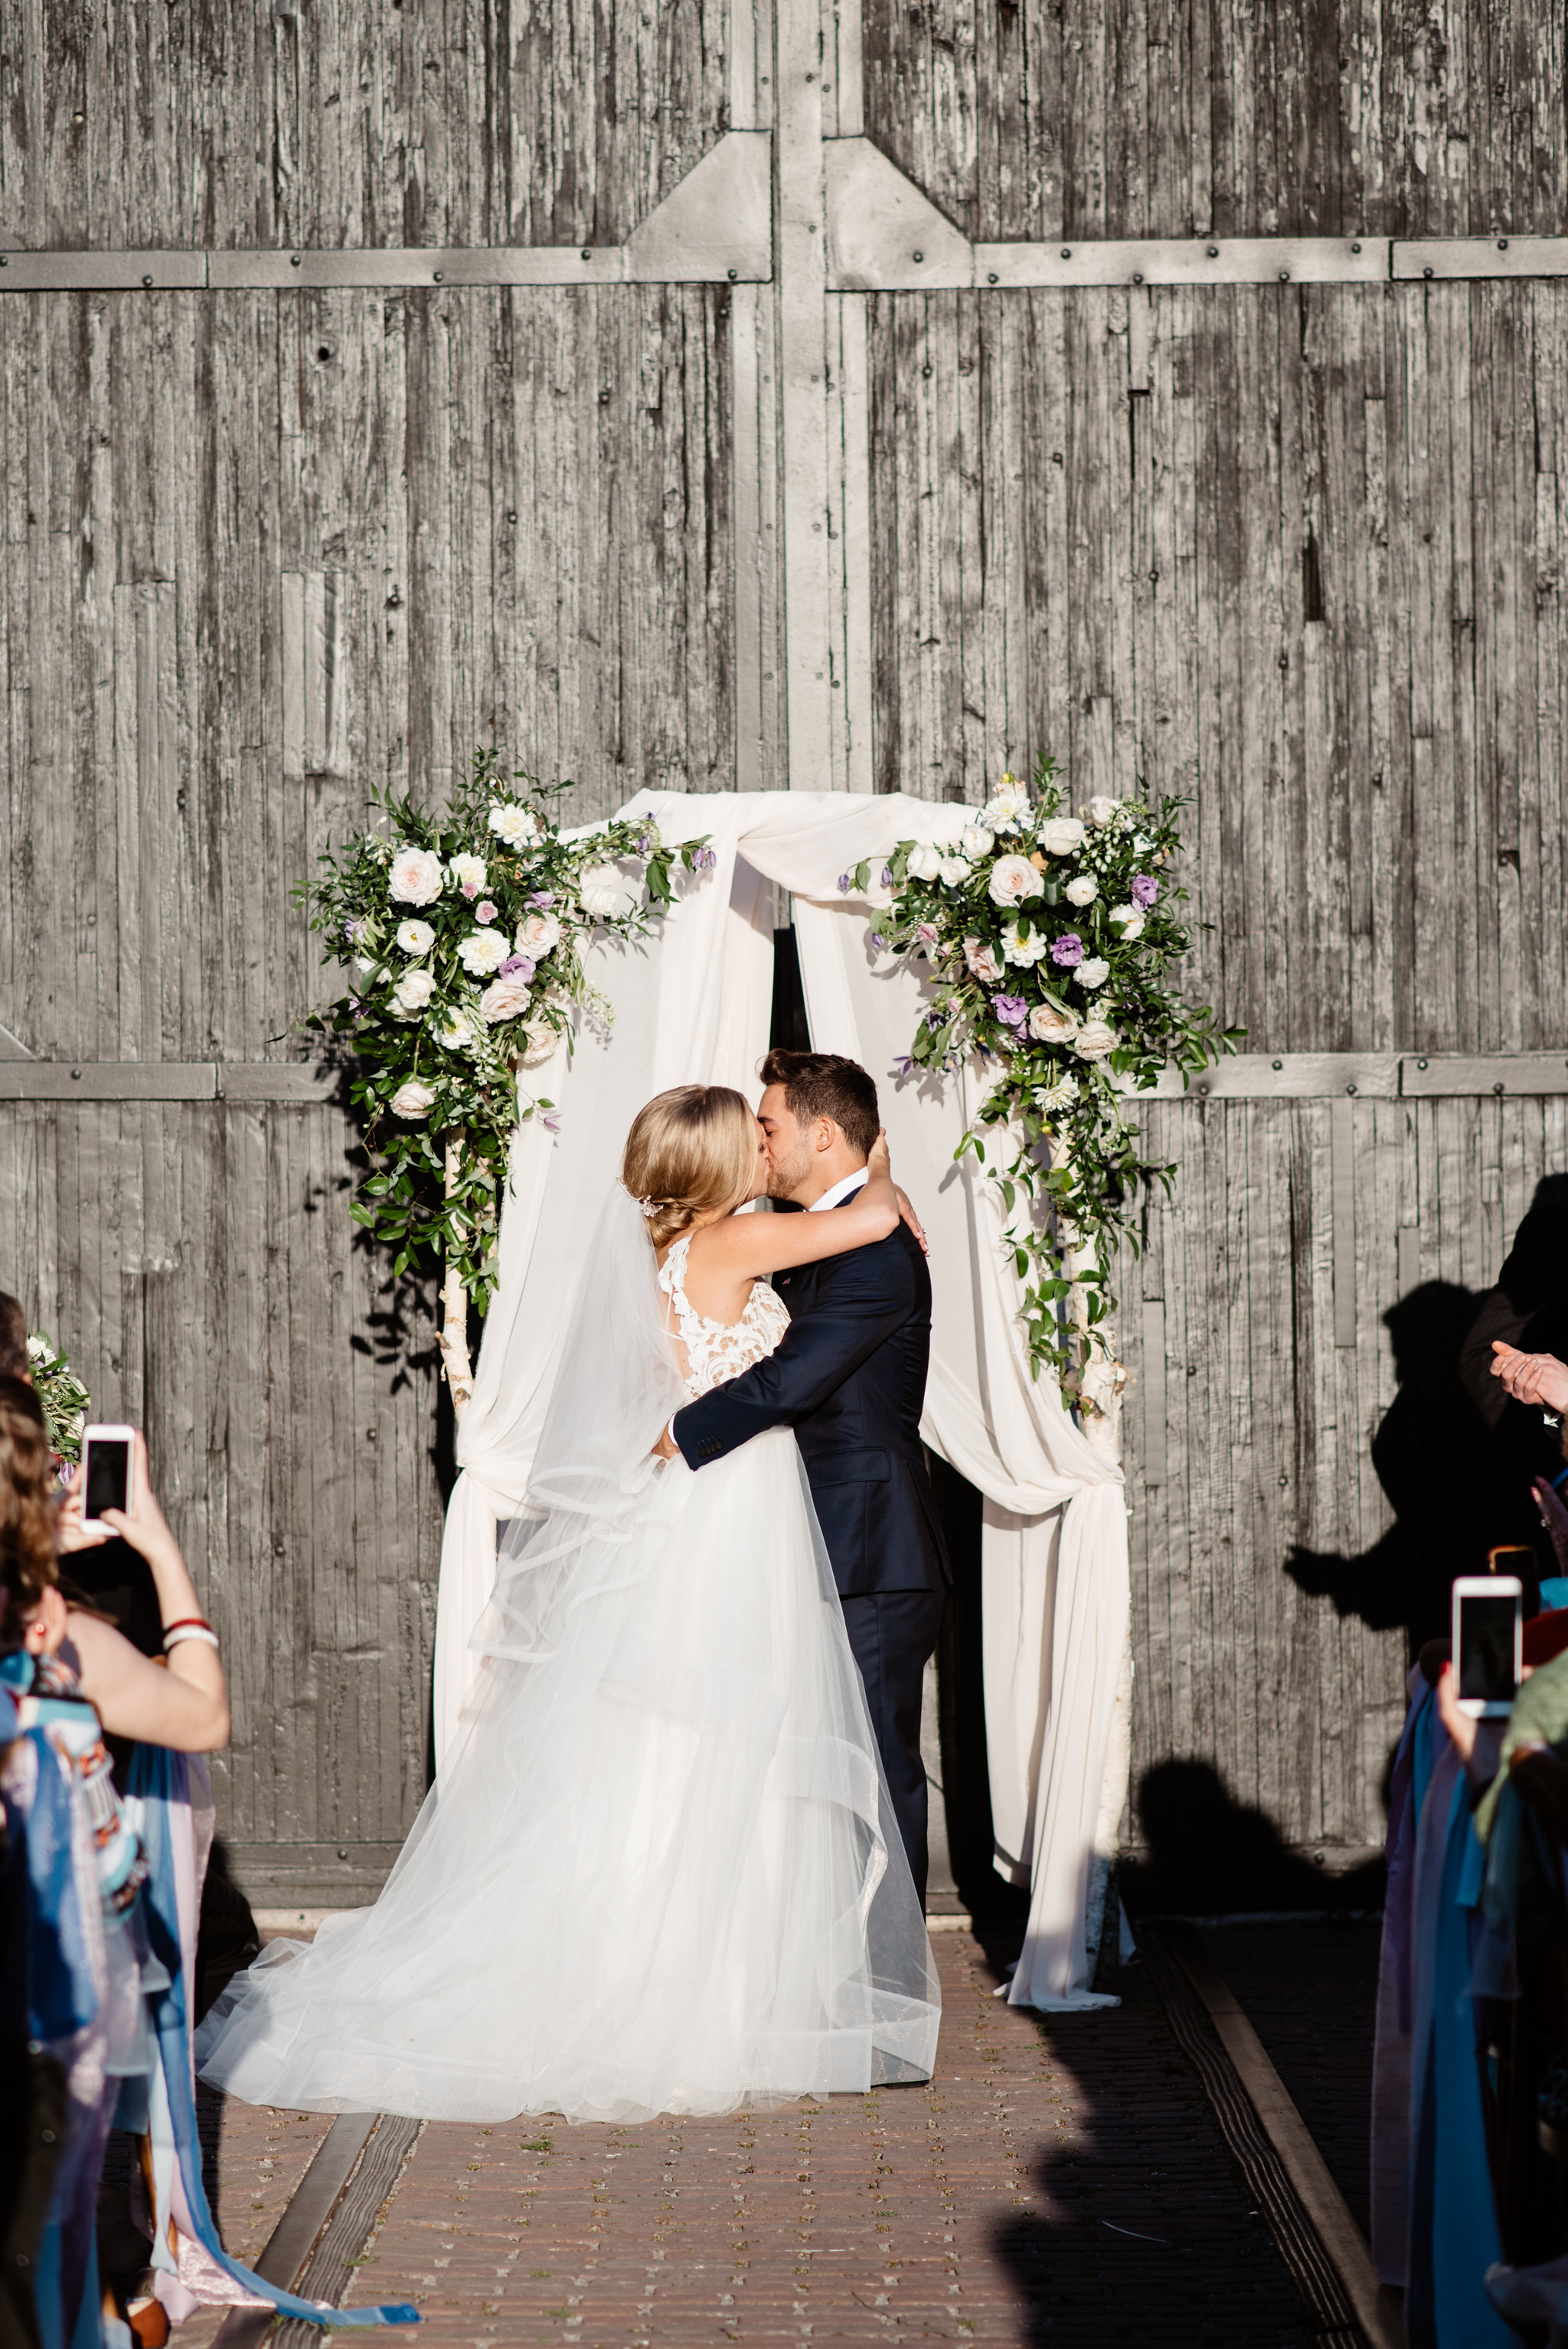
(181, 1620)
(178, 1632)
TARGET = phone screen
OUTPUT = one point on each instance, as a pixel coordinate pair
(1486, 1647)
(109, 1476)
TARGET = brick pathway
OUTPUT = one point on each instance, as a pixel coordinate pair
(1061, 2180)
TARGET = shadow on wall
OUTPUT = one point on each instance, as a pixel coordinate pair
(1456, 1484)
(1205, 1854)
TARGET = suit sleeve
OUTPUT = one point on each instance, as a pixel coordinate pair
(869, 1298)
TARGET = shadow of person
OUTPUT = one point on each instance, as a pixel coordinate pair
(1453, 1489)
(1207, 1855)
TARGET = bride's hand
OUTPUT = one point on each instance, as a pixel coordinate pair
(880, 1161)
(911, 1218)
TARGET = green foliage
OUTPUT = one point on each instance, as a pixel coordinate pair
(1069, 1004)
(464, 928)
(65, 1401)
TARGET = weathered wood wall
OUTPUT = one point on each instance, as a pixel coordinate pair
(1293, 549)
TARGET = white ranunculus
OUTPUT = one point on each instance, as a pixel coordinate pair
(1062, 835)
(1127, 920)
(1093, 971)
(415, 938)
(604, 893)
(468, 874)
(415, 877)
(517, 826)
(924, 863)
(1014, 881)
(484, 951)
(955, 869)
(1095, 1040)
(982, 961)
(1008, 804)
(1057, 1096)
(413, 992)
(503, 998)
(413, 1100)
(1101, 810)
(975, 840)
(1082, 891)
(537, 934)
(1023, 946)
(1049, 1024)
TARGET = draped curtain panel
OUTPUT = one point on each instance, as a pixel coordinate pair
(693, 1005)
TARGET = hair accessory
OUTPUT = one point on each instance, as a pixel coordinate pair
(650, 1208)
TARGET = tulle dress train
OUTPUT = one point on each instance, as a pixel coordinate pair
(660, 1872)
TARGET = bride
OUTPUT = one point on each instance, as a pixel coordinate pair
(660, 1871)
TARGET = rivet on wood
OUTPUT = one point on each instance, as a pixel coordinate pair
(1497, 1089)
(920, 257)
(926, 370)
(1137, 276)
(5, 261)
(1276, 1064)
(147, 281)
(732, 275)
(1284, 277)
(75, 1074)
(1503, 244)
(1355, 248)
(1421, 1064)
(293, 260)
(1426, 273)
(991, 278)
(1350, 1089)
(1067, 253)
(511, 514)
(436, 278)
(1213, 252)
(587, 252)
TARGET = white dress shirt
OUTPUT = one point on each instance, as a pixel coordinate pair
(844, 1190)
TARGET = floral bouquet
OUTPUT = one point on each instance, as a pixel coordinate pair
(64, 1400)
(1049, 938)
(464, 929)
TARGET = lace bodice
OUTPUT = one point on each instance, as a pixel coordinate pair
(717, 1350)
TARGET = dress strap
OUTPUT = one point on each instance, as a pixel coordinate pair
(672, 1277)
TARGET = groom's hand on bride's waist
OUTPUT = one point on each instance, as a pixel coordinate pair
(666, 1448)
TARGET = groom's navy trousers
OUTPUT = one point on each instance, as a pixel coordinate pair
(849, 1377)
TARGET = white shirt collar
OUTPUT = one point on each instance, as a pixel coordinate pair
(844, 1190)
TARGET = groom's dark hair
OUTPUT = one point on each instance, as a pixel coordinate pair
(825, 1084)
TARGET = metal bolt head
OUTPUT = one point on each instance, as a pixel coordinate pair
(1503, 244)
(920, 257)
(293, 260)
(1067, 253)
(991, 278)
(1497, 1088)
(1213, 252)
(1276, 1064)
(147, 281)
(1421, 1064)
(732, 275)
(1355, 248)
(436, 277)
(1427, 273)
(1350, 1089)
(1284, 277)
(1137, 276)
(587, 252)
(511, 513)
(5, 261)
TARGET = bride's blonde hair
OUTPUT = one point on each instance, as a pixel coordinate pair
(689, 1150)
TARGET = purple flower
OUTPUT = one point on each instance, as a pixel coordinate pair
(351, 929)
(935, 1018)
(517, 966)
(928, 931)
(353, 1004)
(543, 897)
(1145, 889)
(887, 876)
(551, 1121)
(1010, 1009)
(705, 860)
(1067, 952)
(879, 942)
(643, 845)
(843, 885)
(903, 1066)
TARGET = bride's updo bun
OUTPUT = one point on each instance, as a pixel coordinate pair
(689, 1150)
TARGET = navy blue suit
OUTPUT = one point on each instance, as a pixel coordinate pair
(850, 1378)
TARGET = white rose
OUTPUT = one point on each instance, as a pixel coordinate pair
(1058, 1095)
(975, 840)
(503, 998)
(413, 1100)
(1083, 891)
(1014, 881)
(517, 826)
(982, 961)
(415, 877)
(924, 863)
(1062, 835)
(1093, 972)
(484, 951)
(604, 892)
(954, 869)
(1095, 1040)
(415, 938)
(413, 992)
(458, 1031)
(536, 935)
(1127, 919)
(1101, 811)
(1022, 945)
(468, 874)
(1050, 1025)
(541, 1042)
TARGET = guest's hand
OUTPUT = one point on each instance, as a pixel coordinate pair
(1461, 1727)
(69, 1530)
(144, 1525)
(1531, 1378)
(911, 1218)
(666, 1448)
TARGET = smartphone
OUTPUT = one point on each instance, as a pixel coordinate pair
(105, 1454)
(1488, 1622)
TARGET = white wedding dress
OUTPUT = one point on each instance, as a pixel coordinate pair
(660, 1872)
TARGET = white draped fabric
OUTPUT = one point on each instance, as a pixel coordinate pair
(693, 1006)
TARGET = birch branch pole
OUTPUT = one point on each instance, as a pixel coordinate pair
(455, 1361)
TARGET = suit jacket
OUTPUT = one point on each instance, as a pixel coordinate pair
(849, 1377)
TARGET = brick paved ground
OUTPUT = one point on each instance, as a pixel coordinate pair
(1062, 2181)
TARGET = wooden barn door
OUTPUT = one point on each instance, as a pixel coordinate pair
(754, 393)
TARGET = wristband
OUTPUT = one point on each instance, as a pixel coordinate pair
(178, 1632)
(181, 1620)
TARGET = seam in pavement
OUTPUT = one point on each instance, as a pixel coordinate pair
(328, 2221)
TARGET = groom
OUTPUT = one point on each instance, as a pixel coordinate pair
(850, 1379)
